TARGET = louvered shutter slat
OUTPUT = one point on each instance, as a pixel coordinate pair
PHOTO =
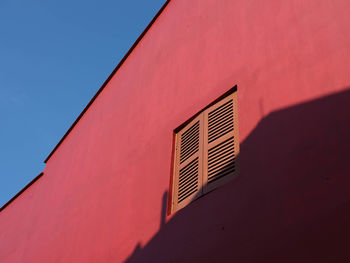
(221, 146)
(188, 163)
(206, 152)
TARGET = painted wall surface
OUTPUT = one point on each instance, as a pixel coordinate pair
(103, 194)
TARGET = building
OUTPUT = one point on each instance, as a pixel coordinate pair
(103, 196)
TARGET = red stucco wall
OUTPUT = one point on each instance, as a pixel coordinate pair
(102, 195)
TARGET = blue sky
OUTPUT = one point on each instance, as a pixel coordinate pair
(54, 56)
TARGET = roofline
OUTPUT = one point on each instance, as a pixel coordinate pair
(20, 192)
(108, 79)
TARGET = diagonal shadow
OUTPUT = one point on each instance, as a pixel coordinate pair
(291, 202)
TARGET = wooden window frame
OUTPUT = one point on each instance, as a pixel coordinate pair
(202, 155)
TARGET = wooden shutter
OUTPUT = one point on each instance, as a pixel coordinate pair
(188, 164)
(221, 145)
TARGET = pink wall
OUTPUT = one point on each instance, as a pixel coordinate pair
(101, 198)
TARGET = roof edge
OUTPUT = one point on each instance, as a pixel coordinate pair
(108, 79)
(21, 191)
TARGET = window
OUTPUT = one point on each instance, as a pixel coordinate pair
(206, 150)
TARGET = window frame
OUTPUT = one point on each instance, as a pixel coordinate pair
(202, 117)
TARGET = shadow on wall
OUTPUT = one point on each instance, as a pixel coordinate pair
(291, 202)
